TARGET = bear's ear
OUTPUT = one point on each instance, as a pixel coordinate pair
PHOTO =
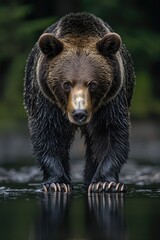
(109, 44)
(50, 45)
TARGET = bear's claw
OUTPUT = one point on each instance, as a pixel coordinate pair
(106, 187)
(57, 187)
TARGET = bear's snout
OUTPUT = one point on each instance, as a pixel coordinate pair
(80, 116)
(79, 106)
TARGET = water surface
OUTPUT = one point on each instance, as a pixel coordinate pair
(27, 213)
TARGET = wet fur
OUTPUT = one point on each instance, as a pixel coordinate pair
(106, 135)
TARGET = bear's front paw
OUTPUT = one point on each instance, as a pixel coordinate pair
(57, 187)
(107, 187)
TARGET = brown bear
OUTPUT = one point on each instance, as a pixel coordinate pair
(79, 75)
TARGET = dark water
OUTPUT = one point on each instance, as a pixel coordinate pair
(26, 213)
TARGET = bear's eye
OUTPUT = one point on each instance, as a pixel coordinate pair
(66, 86)
(93, 85)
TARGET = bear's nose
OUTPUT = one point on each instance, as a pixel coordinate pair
(79, 116)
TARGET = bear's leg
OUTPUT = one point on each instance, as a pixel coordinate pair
(107, 150)
(51, 138)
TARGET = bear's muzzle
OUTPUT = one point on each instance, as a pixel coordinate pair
(79, 106)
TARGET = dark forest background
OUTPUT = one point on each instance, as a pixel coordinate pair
(21, 23)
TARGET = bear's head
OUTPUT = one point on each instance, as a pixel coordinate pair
(79, 74)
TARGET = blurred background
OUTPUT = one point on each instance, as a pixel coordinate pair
(22, 22)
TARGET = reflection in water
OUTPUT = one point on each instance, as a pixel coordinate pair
(63, 216)
(31, 215)
(105, 216)
(52, 220)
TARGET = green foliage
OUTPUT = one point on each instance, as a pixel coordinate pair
(17, 38)
(142, 96)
